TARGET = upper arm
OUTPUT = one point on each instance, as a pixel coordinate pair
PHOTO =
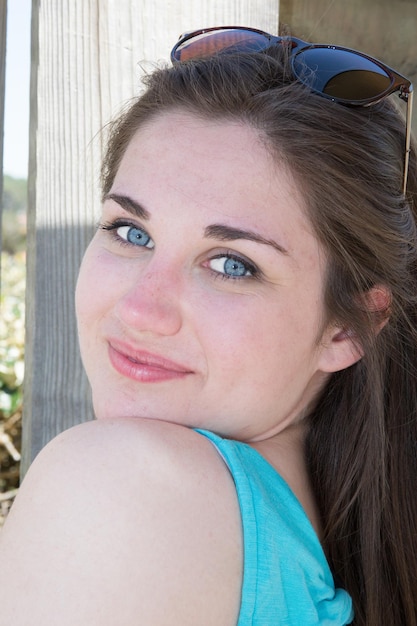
(123, 522)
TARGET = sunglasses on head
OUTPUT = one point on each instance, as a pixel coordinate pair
(340, 74)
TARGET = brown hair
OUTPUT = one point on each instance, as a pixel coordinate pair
(362, 446)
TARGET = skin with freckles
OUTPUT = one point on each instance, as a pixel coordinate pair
(193, 294)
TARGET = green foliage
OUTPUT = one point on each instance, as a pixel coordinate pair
(12, 336)
(12, 332)
(14, 204)
(12, 342)
(14, 194)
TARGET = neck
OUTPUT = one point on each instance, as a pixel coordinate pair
(286, 453)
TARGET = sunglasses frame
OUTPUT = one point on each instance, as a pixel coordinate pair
(398, 82)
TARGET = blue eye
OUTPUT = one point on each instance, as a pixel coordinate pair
(136, 236)
(231, 267)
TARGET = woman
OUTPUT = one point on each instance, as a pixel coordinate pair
(247, 320)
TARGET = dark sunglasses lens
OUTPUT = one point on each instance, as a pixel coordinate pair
(340, 74)
(222, 40)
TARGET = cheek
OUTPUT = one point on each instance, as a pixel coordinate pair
(94, 288)
(265, 337)
(239, 332)
(87, 277)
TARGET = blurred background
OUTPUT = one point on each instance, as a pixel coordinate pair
(13, 245)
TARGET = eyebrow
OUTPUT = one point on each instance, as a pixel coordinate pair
(214, 231)
(129, 205)
(229, 233)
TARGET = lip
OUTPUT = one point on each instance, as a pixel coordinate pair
(143, 366)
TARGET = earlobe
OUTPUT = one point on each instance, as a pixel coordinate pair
(340, 350)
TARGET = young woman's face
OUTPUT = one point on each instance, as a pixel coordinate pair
(200, 298)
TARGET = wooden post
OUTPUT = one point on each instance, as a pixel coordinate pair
(87, 59)
(3, 25)
(286, 12)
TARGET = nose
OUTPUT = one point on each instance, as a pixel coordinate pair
(152, 304)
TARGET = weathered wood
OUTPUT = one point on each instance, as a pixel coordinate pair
(87, 58)
(3, 25)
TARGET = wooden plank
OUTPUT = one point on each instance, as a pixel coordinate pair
(87, 58)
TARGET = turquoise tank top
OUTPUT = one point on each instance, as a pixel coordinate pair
(286, 578)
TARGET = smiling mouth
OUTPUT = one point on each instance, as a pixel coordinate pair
(143, 366)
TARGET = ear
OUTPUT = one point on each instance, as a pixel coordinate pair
(378, 303)
(340, 347)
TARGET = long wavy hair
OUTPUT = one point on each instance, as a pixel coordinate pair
(348, 163)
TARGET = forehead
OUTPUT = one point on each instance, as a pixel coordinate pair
(222, 155)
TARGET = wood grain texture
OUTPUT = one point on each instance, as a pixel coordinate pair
(87, 59)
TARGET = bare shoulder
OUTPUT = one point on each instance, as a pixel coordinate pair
(124, 522)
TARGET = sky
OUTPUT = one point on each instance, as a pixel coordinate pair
(16, 116)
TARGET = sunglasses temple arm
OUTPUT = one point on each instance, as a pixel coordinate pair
(408, 137)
